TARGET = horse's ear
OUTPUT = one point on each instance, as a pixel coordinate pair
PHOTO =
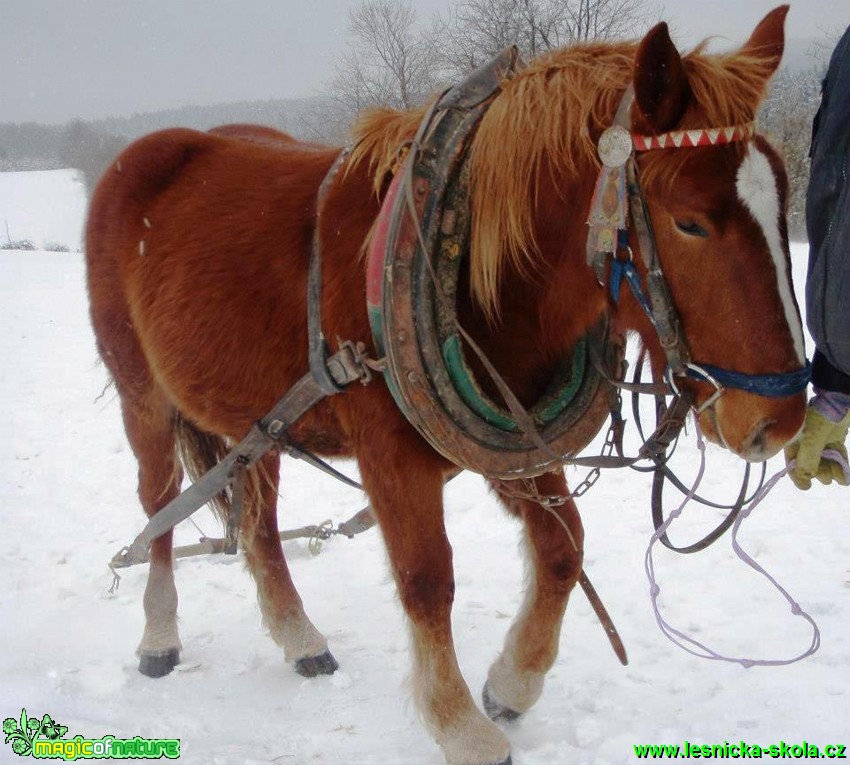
(661, 85)
(767, 41)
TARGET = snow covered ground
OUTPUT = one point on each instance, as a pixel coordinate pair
(47, 208)
(67, 492)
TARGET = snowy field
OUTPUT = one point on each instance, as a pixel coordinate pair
(67, 489)
(47, 208)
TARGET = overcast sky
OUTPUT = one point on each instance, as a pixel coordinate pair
(61, 59)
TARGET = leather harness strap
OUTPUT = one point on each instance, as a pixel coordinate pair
(317, 345)
(270, 432)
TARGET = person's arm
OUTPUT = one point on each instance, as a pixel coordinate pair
(828, 284)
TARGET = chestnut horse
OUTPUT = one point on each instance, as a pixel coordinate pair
(198, 247)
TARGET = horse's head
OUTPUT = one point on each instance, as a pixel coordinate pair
(718, 216)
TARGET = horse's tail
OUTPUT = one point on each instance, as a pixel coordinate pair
(199, 452)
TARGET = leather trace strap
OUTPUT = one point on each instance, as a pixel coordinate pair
(345, 366)
(317, 345)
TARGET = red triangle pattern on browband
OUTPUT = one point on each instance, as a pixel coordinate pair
(677, 139)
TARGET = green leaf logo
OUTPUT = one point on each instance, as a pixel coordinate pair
(24, 732)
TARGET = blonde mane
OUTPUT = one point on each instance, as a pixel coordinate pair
(547, 118)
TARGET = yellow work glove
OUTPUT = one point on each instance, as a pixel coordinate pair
(818, 434)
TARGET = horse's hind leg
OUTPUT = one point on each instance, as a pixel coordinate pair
(515, 680)
(303, 645)
(148, 421)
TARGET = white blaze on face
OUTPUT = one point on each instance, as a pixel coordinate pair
(757, 189)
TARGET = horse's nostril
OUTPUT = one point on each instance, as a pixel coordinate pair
(756, 447)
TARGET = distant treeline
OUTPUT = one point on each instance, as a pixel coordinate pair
(290, 115)
(786, 118)
(90, 145)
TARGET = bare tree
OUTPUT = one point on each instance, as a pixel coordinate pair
(393, 59)
(476, 30)
(605, 19)
(390, 61)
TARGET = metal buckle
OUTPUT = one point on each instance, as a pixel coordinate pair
(629, 254)
(719, 390)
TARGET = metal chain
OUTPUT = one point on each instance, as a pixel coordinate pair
(557, 500)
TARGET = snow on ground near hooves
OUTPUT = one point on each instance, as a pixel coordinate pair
(67, 488)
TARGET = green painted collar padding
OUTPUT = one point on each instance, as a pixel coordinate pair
(546, 410)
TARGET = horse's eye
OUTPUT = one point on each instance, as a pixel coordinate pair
(691, 228)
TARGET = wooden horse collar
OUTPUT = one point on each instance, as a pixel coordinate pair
(415, 257)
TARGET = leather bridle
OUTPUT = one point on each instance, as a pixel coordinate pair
(608, 237)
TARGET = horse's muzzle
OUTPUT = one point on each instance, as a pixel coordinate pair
(753, 427)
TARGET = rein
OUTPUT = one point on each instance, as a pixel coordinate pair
(663, 473)
(687, 642)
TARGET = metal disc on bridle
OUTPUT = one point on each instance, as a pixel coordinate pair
(615, 146)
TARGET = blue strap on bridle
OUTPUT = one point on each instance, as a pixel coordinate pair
(625, 269)
(771, 385)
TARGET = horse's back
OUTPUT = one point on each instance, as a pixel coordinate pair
(260, 134)
(265, 136)
(226, 160)
(198, 242)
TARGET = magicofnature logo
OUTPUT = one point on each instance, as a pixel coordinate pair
(45, 739)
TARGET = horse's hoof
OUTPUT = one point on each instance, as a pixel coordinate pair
(159, 663)
(321, 664)
(496, 711)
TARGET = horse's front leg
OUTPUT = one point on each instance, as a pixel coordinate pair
(554, 561)
(404, 480)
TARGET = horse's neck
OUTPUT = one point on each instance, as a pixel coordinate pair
(560, 292)
(547, 309)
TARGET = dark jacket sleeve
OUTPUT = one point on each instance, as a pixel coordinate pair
(828, 224)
